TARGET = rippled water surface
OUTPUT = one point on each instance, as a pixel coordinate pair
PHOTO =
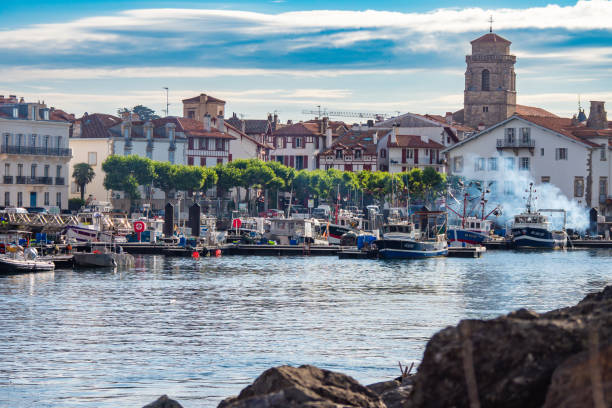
(201, 330)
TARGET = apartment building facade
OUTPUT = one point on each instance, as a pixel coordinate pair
(34, 154)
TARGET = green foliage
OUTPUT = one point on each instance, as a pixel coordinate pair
(126, 173)
(75, 204)
(144, 112)
(83, 174)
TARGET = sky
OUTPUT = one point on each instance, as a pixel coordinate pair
(287, 56)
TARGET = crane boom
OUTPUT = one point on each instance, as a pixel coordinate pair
(346, 114)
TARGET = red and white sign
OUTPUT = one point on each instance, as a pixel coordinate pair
(139, 226)
(236, 223)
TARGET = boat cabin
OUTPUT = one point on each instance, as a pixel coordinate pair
(530, 219)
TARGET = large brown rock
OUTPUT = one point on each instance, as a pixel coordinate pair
(572, 382)
(305, 386)
(507, 362)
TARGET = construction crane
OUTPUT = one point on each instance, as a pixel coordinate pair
(345, 114)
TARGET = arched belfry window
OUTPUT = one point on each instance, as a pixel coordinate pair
(485, 80)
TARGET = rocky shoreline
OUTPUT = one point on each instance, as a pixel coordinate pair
(560, 359)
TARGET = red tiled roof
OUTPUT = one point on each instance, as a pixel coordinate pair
(333, 124)
(490, 37)
(299, 129)
(565, 127)
(192, 127)
(197, 99)
(353, 139)
(58, 114)
(414, 142)
(533, 111)
(97, 125)
(441, 119)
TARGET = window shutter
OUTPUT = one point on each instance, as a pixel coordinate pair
(557, 154)
(190, 143)
(416, 156)
(306, 162)
(292, 161)
(403, 155)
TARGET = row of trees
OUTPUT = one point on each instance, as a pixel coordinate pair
(127, 173)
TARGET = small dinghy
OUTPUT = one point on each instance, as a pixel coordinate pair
(18, 260)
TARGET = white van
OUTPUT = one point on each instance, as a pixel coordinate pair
(15, 210)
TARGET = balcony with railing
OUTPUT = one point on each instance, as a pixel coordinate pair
(36, 151)
(8, 180)
(516, 144)
(59, 181)
(20, 180)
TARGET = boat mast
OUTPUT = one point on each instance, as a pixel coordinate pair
(529, 198)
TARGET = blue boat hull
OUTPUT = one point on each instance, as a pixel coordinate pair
(463, 235)
(537, 238)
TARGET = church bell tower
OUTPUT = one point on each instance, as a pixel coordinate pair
(490, 82)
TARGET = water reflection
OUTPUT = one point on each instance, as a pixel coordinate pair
(200, 330)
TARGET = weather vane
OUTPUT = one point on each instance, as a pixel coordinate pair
(491, 24)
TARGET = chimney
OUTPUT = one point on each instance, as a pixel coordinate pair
(207, 122)
(598, 118)
(170, 132)
(45, 113)
(270, 117)
(76, 129)
(324, 124)
(243, 125)
(220, 123)
(148, 126)
(370, 123)
(375, 137)
(275, 118)
(449, 118)
(393, 136)
(328, 137)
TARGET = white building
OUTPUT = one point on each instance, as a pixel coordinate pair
(299, 145)
(34, 154)
(402, 149)
(91, 143)
(571, 155)
(352, 151)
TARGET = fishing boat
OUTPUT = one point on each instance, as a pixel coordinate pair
(400, 240)
(531, 229)
(19, 260)
(472, 230)
(103, 258)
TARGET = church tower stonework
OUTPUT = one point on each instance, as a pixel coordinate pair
(490, 82)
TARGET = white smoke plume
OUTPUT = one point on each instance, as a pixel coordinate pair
(510, 190)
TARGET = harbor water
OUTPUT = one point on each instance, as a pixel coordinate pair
(200, 330)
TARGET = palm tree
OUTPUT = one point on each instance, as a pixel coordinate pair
(83, 174)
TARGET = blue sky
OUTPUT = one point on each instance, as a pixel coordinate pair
(286, 56)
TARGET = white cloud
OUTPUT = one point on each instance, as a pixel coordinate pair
(182, 28)
(18, 74)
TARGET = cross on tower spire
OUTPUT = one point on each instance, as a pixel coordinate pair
(491, 24)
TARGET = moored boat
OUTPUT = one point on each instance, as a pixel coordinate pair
(402, 241)
(17, 260)
(534, 230)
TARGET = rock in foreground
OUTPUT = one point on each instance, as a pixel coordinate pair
(559, 359)
(305, 386)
